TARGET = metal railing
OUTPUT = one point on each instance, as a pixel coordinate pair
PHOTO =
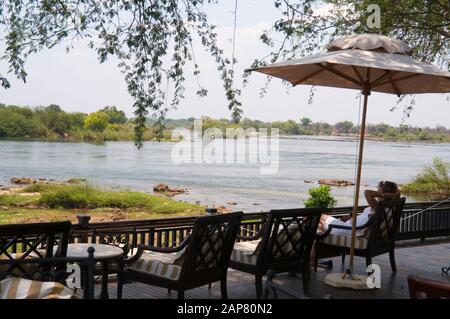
(419, 221)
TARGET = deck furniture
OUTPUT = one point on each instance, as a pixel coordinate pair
(202, 258)
(46, 278)
(423, 288)
(283, 245)
(35, 255)
(377, 236)
(43, 240)
(104, 254)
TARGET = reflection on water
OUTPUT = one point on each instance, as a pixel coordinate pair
(302, 158)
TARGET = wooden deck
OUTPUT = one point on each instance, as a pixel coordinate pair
(425, 261)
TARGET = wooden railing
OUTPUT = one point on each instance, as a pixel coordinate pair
(415, 224)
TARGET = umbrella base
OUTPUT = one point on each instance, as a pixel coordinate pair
(341, 280)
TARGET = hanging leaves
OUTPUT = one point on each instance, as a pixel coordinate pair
(153, 40)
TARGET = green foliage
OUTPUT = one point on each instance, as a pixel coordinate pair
(344, 127)
(305, 122)
(320, 197)
(97, 121)
(85, 196)
(432, 179)
(302, 29)
(14, 123)
(115, 116)
(153, 42)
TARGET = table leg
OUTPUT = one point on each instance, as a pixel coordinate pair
(104, 289)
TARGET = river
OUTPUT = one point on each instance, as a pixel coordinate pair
(120, 164)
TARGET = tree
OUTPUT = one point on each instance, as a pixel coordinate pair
(344, 127)
(306, 122)
(16, 124)
(97, 121)
(153, 40)
(307, 25)
(115, 116)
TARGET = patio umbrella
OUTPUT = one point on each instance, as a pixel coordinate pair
(369, 63)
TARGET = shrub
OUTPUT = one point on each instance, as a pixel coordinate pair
(97, 121)
(434, 179)
(320, 197)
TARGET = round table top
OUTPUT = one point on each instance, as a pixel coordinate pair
(102, 251)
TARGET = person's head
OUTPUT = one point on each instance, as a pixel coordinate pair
(387, 187)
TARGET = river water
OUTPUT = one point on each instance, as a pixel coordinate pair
(120, 164)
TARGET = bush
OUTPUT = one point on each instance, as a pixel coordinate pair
(433, 179)
(97, 121)
(320, 197)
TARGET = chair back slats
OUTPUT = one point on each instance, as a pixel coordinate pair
(289, 236)
(35, 241)
(210, 245)
(38, 239)
(386, 221)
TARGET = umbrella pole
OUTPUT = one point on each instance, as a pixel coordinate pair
(366, 93)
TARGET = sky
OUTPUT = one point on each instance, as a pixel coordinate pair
(79, 83)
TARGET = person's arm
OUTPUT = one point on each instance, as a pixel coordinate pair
(371, 197)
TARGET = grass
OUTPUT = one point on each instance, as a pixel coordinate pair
(55, 202)
(433, 180)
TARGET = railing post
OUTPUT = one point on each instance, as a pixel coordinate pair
(210, 211)
(83, 224)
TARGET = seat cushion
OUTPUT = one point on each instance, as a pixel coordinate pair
(159, 264)
(246, 252)
(345, 241)
(20, 288)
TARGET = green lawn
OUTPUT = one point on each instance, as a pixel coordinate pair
(56, 202)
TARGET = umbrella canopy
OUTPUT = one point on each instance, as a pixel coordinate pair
(347, 62)
(370, 63)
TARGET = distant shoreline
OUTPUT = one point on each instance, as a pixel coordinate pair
(349, 137)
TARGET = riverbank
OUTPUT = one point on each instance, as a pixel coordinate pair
(57, 201)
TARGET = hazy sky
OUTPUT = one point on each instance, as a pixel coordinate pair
(77, 82)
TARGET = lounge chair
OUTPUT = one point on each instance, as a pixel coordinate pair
(283, 245)
(202, 258)
(33, 263)
(376, 237)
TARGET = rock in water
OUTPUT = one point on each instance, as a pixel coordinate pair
(22, 180)
(160, 188)
(335, 182)
(163, 188)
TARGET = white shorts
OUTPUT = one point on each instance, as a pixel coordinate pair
(334, 221)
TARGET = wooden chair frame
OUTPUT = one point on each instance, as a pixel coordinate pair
(378, 243)
(271, 256)
(196, 269)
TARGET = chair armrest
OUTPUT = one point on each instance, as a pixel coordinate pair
(141, 248)
(248, 238)
(258, 235)
(331, 227)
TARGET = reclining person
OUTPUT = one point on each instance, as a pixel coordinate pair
(386, 190)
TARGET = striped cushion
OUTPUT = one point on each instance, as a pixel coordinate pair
(246, 252)
(210, 253)
(386, 225)
(345, 241)
(19, 288)
(160, 264)
(284, 246)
